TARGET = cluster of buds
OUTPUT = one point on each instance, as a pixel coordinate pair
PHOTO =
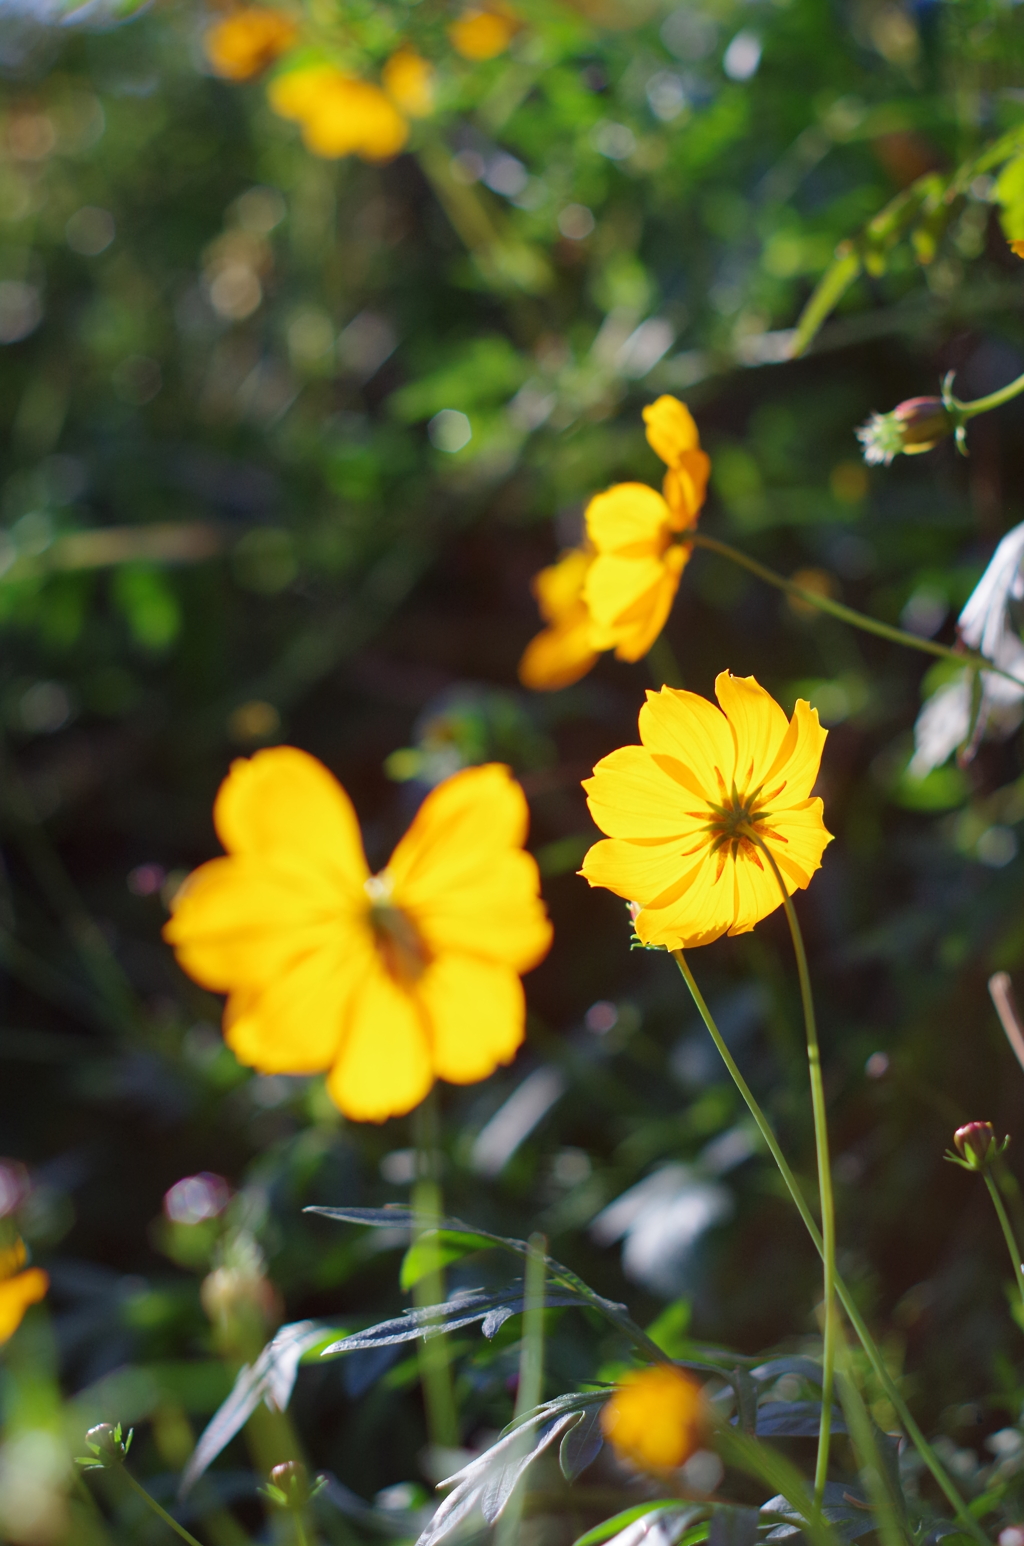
(912, 427)
(108, 1445)
(976, 1146)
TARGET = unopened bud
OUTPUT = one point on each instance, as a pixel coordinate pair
(290, 1487)
(914, 426)
(976, 1143)
(106, 1443)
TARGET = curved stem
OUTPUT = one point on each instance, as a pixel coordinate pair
(825, 1195)
(167, 1518)
(845, 614)
(993, 400)
(1008, 1235)
(864, 1336)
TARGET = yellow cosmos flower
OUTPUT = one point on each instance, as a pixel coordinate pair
(248, 41)
(339, 115)
(634, 530)
(17, 1289)
(684, 811)
(389, 981)
(409, 82)
(563, 652)
(656, 1418)
(483, 34)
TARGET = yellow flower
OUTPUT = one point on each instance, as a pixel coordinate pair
(1017, 248)
(339, 114)
(248, 41)
(482, 34)
(389, 980)
(17, 1289)
(409, 82)
(682, 810)
(656, 1418)
(561, 653)
(633, 529)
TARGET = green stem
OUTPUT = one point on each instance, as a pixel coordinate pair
(435, 1369)
(1008, 1235)
(530, 1391)
(154, 1505)
(963, 657)
(864, 1336)
(301, 1538)
(863, 1435)
(1005, 394)
(825, 1195)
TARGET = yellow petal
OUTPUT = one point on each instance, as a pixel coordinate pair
(630, 519)
(619, 587)
(243, 44)
(480, 34)
(243, 920)
(384, 1066)
(756, 891)
(295, 93)
(702, 912)
(632, 796)
(670, 429)
(799, 757)
(639, 872)
(637, 628)
(284, 800)
(685, 488)
(477, 1013)
(353, 116)
(461, 875)
(757, 724)
(558, 656)
(797, 838)
(295, 1025)
(16, 1294)
(559, 587)
(695, 735)
(409, 82)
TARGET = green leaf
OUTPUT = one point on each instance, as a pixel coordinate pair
(435, 1249)
(617, 1522)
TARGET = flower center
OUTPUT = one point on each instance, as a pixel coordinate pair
(404, 951)
(738, 821)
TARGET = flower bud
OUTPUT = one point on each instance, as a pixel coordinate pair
(291, 1479)
(976, 1143)
(914, 426)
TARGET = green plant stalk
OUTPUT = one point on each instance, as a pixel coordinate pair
(825, 1194)
(845, 614)
(160, 1512)
(862, 1434)
(530, 1390)
(435, 1369)
(1008, 1234)
(864, 1336)
(996, 399)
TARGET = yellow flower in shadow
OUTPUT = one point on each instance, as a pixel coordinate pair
(562, 652)
(247, 41)
(483, 33)
(634, 531)
(18, 1289)
(656, 1419)
(685, 812)
(390, 980)
(339, 114)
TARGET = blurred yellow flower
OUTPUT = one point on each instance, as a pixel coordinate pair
(682, 812)
(248, 40)
(656, 1418)
(561, 653)
(18, 1289)
(409, 82)
(339, 114)
(638, 562)
(1018, 248)
(483, 33)
(389, 981)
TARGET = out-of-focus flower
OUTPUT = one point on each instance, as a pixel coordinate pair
(483, 33)
(409, 82)
(1018, 248)
(912, 427)
(248, 41)
(686, 810)
(991, 701)
(563, 651)
(389, 980)
(632, 583)
(19, 1287)
(656, 1419)
(339, 114)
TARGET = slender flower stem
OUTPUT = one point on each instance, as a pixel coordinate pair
(864, 1336)
(435, 1370)
(963, 657)
(1008, 1234)
(530, 1391)
(154, 1505)
(986, 404)
(825, 1195)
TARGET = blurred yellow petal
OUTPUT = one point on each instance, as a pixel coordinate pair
(16, 1294)
(477, 1015)
(656, 1419)
(353, 116)
(559, 587)
(384, 1067)
(409, 82)
(295, 1025)
(629, 519)
(285, 799)
(294, 94)
(558, 656)
(685, 488)
(670, 429)
(637, 627)
(247, 41)
(482, 34)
